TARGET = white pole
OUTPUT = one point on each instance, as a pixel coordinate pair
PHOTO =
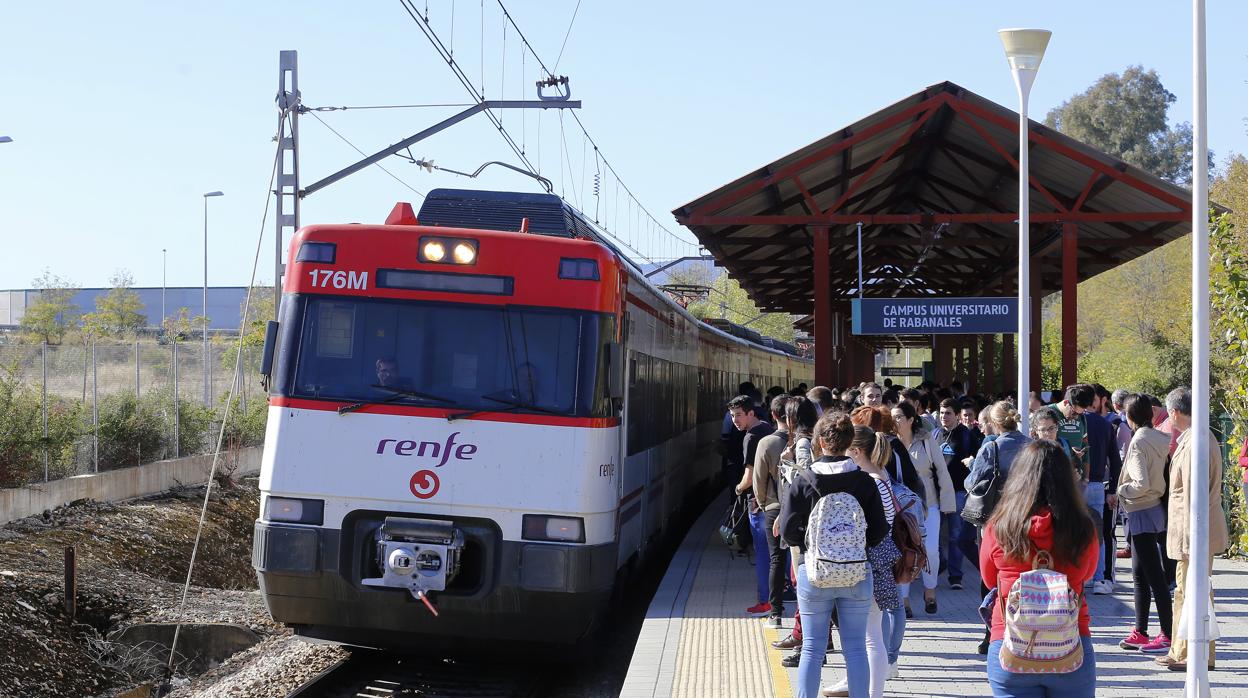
(1196, 601)
(1023, 80)
(860, 289)
(207, 399)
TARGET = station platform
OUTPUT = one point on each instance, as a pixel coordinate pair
(698, 642)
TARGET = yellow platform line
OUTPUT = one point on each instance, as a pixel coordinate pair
(779, 675)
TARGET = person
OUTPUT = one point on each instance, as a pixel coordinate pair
(746, 420)
(957, 443)
(871, 452)
(765, 483)
(998, 452)
(800, 420)
(880, 419)
(387, 368)
(822, 398)
(1041, 508)
(832, 473)
(1141, 490)
(872, 395)
(1103, 468)
(731, 440)
(937, 491)
(1178, 537)
(968, 415)
(1072, 427)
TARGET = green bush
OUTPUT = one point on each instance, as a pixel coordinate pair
(21, 433)
(131, 431)
(246, 427)
(194, 423)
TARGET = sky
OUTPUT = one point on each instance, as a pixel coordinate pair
(123, 114)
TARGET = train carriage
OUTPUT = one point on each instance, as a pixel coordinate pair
(479, 417)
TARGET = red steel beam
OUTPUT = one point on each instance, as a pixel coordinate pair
(1070, 303)
(888, 154)
(937, 218)
(1032, 181)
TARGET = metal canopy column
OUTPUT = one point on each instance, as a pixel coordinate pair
(990, 363)
(1070, 303)
(974, 381)
(823, 309)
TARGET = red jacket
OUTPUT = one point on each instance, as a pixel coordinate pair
(1002, 573)
(1243, 460)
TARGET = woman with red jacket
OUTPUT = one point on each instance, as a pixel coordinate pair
(1041, 508)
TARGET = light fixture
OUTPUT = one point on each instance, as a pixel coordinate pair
(464, 253)
(434, 251)
(1024, 48)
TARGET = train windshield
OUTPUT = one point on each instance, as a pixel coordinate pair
(474, 357)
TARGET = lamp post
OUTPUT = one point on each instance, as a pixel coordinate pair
(1024, 49)
(164, 267)
(5, 139)
(207, 362)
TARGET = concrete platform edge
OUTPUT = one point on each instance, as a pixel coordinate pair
(652, 669)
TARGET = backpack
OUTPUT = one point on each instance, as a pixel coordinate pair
(836, 541)
(734, 527)
(907, 535)
(1041, 616)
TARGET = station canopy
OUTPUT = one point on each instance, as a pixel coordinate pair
(933, 179)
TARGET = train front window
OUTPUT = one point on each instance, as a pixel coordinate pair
(455, 356)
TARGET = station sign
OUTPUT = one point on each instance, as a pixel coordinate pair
(935, 315)
(902, 371)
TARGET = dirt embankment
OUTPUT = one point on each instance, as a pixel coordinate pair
(132, 561)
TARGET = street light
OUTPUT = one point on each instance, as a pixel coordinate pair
(164, 266)
(5, 139)
(207, 362)
(1024, 49)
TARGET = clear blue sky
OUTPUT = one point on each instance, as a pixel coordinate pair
(123, 114)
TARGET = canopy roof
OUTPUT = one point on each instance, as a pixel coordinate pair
(934, 181)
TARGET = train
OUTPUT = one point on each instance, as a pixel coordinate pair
(481, 419)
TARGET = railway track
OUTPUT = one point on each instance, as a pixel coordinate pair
(367, 674)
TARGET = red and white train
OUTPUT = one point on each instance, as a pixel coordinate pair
(488, 413)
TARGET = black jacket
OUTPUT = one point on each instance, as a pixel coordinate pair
(908, 476)
(796, 507)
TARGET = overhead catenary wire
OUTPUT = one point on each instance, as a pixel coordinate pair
(567, 34)
(361, 152)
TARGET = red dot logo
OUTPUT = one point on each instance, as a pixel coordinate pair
(424, 484)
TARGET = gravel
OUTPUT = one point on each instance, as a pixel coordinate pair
(274, 667)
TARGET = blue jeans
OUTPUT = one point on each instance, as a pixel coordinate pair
(961, 541)
(815, 605)
(1094, 492)
(1080, 683)
(895, 625)
(762, 557)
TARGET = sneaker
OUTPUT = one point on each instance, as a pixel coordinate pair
(1158, 645)
(773, 621)
(763, 607)
(955, 584)
(1134, 641)
(841, 688)
(1102, 587)
(794, 659)
(929, 607)
(909, 613)
(1123, 553)
(790, 643)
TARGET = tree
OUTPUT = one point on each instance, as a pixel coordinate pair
(118, 313)
(729, 301)
(53, 312)
(1125, 115)
(181, 326)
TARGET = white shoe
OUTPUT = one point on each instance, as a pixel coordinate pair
(1102, 587)
(892, 670)
(840, 689)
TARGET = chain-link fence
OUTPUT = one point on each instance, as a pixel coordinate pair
(80, 408)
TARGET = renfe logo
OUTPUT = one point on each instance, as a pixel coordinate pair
(428, 449)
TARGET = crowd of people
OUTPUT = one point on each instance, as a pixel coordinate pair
(855, 494)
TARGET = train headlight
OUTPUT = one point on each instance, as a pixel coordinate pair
(562, 529)
(464, 253)
(433, 251)
(291, 510)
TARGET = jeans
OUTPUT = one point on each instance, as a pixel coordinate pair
(852, 605)
(877, 651)
(762, 560)
(931, 541)
(778, 558)
(895, 625)
(1080, 683)
(1109, 530)
(1094, 492)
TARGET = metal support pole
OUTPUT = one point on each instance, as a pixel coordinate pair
(43, 356)
(177, 451)
(1070, 304)
(287, 184)
(1023, 79)
(95, 411)
(1198, 598)
(71, 583)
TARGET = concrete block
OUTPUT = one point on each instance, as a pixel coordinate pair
(201, 646)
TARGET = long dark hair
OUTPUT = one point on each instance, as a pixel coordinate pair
(1043, 476)
(917, 425)
(800, 412)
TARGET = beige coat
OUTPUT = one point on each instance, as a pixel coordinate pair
(1143, 484)
(926, 456)
(1177, 534)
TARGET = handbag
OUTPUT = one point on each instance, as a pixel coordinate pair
(908, 537)
(982, 497)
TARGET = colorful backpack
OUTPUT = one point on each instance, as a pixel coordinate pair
(1041, 616)
(836, 541)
